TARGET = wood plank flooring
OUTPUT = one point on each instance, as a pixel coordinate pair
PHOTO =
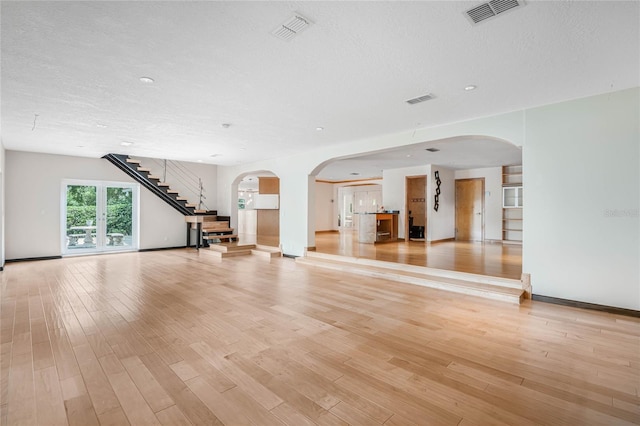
(178, 338)
(494, 259)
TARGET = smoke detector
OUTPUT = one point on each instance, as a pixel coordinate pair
(291, 27)
(491, 9)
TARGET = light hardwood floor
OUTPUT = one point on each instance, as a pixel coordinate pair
(178, 337)
(492, 259)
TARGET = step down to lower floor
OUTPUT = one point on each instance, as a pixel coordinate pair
(231, 249)
(266, 252)
(495, 288)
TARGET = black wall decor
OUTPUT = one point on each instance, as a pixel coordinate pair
(437, 196)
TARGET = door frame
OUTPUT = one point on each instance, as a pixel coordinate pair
(406, 205)
(101, 206)
(482, 222)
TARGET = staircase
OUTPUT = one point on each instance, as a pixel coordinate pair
(143, 175)
(496, 288)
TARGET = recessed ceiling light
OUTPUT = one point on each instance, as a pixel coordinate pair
(199, 161)
(432, 149)
(470, 87)
(319, 129)
(101, 126)
(147, 80)
(126, 143)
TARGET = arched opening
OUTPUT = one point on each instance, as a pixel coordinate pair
(422, 185)
(256, 210)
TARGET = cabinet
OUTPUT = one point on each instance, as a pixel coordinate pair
(378, 227)
(512, 197)
(512, 204)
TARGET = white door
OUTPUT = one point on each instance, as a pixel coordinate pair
(99, 217)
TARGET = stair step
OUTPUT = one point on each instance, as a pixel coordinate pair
(226, 237)
(153, 177)
(172, 191)
(143, 169)
(470, 284)
(163, 184)
(189, 205)
(181, 198)
(231, 247)
(132, 161)
(266, 252)
(222, 255)
(215, 230)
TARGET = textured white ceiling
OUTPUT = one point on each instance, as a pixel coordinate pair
(77, 65)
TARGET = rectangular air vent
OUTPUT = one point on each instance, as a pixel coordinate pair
(419, 99)
(291, 27)
(432, 149)
(491, 9)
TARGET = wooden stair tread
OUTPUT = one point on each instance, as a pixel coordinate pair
(212, 230)
(153, 177)
(490, 291)
(231, 247)
(187, 204)
(143, 169)
(163, 184)
(172, 191)
(268, 253)
(181, 198)
(219, 237)
(132, 161)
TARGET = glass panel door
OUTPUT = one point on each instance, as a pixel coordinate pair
(81, 218)
(99, 217)
(119, 216)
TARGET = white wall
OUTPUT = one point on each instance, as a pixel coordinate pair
(581, 236)
(247, 222)
(2, 204)
(441, 224)
(183, 177)
(33, 204)
(492, 198)
(325, 206)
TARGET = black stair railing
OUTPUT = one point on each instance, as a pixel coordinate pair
(142, 177)
(180, 174)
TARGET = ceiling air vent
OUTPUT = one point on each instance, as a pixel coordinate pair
(419, 99)
(491, 9)
(432, 149)
(291, 27)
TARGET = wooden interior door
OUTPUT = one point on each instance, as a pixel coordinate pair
(416, 208)
(470, 209)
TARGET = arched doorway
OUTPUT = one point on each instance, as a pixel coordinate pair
(256, 207)
(446, 161)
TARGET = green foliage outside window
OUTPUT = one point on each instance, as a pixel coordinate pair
(81, 208)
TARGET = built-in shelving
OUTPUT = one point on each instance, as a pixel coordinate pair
(512, 204)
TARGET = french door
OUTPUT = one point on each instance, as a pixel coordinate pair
(99, 216)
